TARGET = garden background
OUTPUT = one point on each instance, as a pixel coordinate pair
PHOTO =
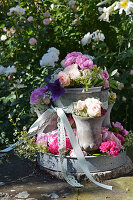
(59, 24)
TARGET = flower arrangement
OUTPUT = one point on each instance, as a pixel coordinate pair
(80, 71)
(90, 107)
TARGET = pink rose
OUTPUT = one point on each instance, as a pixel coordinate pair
(69, 61)
(46, 21)
(94, 110)
(46, 14)
(106, 84)
(84, 62)
(30, 19)
(64, 79)
(73, 54)
(73, 71)
(32, 41)
(80, 105)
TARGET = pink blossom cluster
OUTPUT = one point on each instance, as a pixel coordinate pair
(51, 141)
(122, 131)
(83, 62)
(110, 148)
(39, 94)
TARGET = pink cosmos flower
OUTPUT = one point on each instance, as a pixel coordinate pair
(37, 95)
(30, 19)
(73, 71)
(46, 21)
(46, 14)
(105, 75)
(32, 41)
(64, 79)
(106, 84)
(84, 62)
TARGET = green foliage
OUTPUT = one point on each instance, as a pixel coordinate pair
(65, 33)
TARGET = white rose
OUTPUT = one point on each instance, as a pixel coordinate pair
(94, 110)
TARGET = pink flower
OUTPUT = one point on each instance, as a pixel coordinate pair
(109, 148)
(106, 84)
(64, 79)
(124, 132)
(46, 21)
(131, 72)
(73, 54)
(70, 61)
(105, 75)
(118, 125)
(71, 58)
(120, 137)
(30, 19)
(110, 136)
(84, 62)
(32, 41)
(73, 71)
(42, 138)
(80, 105)
(46, 14)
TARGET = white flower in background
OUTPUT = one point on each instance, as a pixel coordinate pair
(53, 49)
(52, 6)
(10, 70)
(125, 5)
(50, 57)
(18, 84)
(2, 69)
(17, 10)
(86, 39)
(71, 3)
(3, 37)
(106, 12)
(98, 36)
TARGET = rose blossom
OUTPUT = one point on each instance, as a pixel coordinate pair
(71, 58)
(3, 37)
(80, 105)
(84, 62)
(32, 41)
(73, 71)
(105, 75)
(94, 110)
(106, 84)
(64, 79)
(46, 21)
(30, 19)
(46, 14)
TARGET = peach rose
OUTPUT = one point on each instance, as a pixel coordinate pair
(73, 71)
(64, 79)
(80, 105)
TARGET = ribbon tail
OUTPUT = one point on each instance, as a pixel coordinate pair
(77, 149)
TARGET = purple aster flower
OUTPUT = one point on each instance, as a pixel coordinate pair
(56, 89)
(105, 75)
